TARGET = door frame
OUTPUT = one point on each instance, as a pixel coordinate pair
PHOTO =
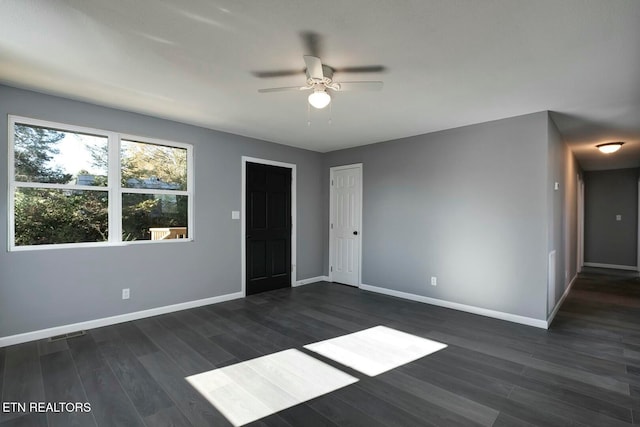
(332, 170)
(580, 225)
(243, 211)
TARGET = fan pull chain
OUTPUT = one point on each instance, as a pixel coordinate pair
(308, 115)
(330, 113)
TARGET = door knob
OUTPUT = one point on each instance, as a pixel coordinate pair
(355, 233)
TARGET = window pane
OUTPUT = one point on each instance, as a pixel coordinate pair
(45, 216)
(153, 166)
(56, 156)
(154, 216)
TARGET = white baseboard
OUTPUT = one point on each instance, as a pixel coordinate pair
(529, 321)
(559, 303)
(612, 266)
(311, 280)
(112, 320)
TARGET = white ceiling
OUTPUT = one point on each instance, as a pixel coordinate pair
(448, 63)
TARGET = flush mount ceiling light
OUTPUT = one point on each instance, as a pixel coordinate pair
(319, 99)
(610, 147)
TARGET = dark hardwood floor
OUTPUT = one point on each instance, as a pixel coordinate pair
(584, 371)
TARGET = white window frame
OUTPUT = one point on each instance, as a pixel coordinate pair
(113, 188)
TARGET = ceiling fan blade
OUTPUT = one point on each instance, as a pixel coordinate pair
(276, 73)
(311, 42)
(371, 86)
(362, 69)
(284, 89)
(314, 67)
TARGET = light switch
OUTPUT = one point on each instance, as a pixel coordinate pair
(235, 214)
(556, 185)
(618, 217)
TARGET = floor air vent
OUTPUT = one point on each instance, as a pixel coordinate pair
(65, 336)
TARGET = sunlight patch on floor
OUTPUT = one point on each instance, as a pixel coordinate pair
(248, 391)
(375, 350)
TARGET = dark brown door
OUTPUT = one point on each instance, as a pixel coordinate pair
(268, 228)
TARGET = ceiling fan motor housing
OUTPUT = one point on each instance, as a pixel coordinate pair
(327, 77)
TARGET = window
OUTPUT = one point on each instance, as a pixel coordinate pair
(73, 186)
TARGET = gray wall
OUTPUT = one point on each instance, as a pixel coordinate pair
(468, 205)
(47, 288)
(473, 206)
(570, 216)
(608, 193)
(562, 168)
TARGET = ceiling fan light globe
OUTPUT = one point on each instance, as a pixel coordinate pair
(319, 99)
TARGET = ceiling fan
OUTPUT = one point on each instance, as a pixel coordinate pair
(320, 79)
(320, 76)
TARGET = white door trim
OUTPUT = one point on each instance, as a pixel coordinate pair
(580, 246)
(332, 170)
(243, 211)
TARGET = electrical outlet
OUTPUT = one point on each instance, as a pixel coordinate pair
(125, 293)
(434, 281)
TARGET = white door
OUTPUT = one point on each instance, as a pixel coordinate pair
(345, 224)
